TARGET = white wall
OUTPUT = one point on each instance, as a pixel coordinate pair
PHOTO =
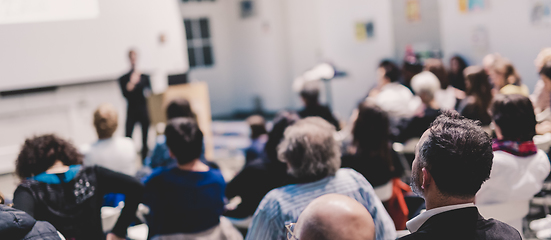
(510, 32)
(358, 59)
(261, 55)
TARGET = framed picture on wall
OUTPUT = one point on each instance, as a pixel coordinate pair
(541, 13)
(365, 30)
(247, 8)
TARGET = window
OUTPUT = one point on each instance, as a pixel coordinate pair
(198, 42)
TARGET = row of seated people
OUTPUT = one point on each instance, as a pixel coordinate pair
(57, 189)
(189, 198)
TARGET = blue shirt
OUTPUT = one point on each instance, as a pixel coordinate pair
(183, 201)
(283, 205)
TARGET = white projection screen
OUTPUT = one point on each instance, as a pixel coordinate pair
(57, 42)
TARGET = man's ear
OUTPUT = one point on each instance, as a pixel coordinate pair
(427, 179)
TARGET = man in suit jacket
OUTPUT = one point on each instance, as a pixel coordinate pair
(452, 160)
(132, 86)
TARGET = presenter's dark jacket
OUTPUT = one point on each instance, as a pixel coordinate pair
(135, 97)
(464, 223)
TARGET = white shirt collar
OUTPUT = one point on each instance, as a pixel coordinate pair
(414, 224)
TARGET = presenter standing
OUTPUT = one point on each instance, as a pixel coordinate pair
(133, 85)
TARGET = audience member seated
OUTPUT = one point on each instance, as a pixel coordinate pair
(18, 225)
(187, 199)
(452, 160)
(425, 85)
(476, 105)
(410, 67)
(312, 156)
(456, 77)
(446, 96)
(371, 154)
(160, 156)
(506, 79)
(333, 217)
(261, 175)
(114, 153)
(56, 188)
(541, 97)
(519, 168)
(312, 108)
(258, 138)
(545, 74)
(390, 95)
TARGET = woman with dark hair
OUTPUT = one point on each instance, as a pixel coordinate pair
(505, 78)
(261, 175)
(456, 76)
(371, 154)
(56, 188)
(479, 96)
(446, 96)
(519, 167)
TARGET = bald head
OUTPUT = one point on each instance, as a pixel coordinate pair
(335, 217)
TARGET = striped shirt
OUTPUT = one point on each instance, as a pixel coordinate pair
(283, 205)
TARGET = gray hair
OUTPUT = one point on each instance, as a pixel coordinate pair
(310, 149)
(425, 83)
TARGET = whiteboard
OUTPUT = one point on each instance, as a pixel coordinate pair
(51, 42)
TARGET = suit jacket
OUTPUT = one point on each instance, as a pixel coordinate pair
(464, 223)
(136, 96)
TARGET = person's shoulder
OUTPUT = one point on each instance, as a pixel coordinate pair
(216, 174)
(495, 230)
(157, 174)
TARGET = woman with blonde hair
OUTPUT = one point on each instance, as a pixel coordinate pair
(505, 78)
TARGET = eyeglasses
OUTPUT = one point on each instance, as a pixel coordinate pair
(290, 229)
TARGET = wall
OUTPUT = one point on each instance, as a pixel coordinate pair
(509, 32)
(261, 55)
(422, 35)
(358, 59)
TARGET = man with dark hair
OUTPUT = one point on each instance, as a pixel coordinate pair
(132, 86)
(187, 198)
(312, 107)
(160, 157)
(452, 160)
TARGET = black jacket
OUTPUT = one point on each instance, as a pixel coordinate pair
(74, 207)
(464, 223)
(136, 97)
(17, 225)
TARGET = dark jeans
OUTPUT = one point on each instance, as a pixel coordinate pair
(138, 114)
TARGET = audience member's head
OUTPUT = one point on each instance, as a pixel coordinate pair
(545, 74)
(514, 116)
(310, 93)
(425, 85)
(436, 66)
(372, 133)
(503, 73)
(184, 139)
(457, 65)
(106, 120)
(411, 67)
(133, 57)
(40, 153)
(334, 217)
(281, 122)
(257, 125)
(310, 149)
(452, 160)
(179, 107)
(478, 86)
(543, 58)
(388, 72)
(488, 62)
